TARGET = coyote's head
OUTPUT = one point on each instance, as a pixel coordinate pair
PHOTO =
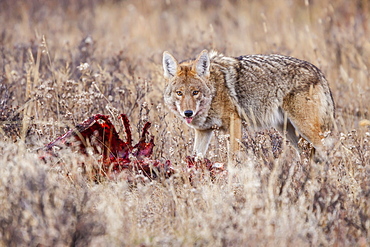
(188, 93)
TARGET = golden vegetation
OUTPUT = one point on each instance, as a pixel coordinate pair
(63, 61)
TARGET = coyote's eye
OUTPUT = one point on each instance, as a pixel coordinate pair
(195, 92)
(179, 93)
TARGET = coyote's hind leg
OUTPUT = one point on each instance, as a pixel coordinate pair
(308, 113)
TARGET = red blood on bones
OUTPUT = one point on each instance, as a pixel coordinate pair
(99, 134)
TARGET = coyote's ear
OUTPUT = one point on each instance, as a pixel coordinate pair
(170, 65)
(202, 64)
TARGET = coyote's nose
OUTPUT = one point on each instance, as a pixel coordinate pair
(188, 113)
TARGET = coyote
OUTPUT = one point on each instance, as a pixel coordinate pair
(216, 91)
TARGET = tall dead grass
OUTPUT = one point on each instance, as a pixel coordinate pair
(63, 61)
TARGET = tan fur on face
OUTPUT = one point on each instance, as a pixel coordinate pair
(186, 71)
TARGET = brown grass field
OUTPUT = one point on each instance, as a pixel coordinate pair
(64, 61)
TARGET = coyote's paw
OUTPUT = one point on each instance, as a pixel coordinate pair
(199, 157)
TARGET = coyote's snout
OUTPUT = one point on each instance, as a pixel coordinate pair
(215, 91)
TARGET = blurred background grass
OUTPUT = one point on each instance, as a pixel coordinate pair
(63, 61)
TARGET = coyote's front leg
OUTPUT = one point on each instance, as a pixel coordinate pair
(202, 139)
(235, 136)
(235, 132)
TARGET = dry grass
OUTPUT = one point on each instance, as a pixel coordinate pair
(63, 61)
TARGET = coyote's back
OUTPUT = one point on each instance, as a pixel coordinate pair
(260, 89)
